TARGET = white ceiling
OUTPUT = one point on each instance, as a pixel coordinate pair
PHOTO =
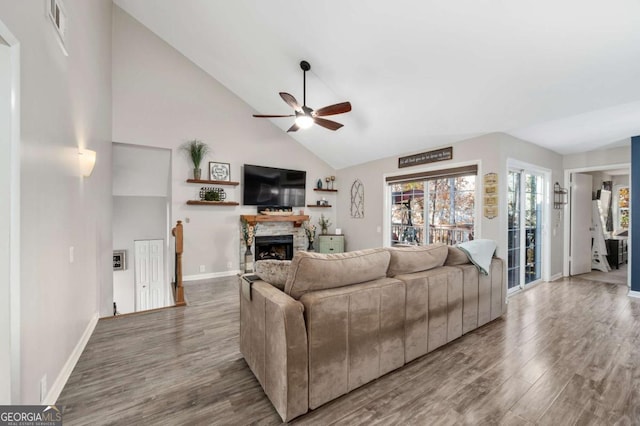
(419, 74)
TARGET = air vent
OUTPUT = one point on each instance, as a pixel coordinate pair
(58, 16)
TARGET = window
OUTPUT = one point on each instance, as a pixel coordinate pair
(433, 207)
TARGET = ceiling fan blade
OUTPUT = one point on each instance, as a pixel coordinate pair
(293, 128)
(291, 101)
(272, 116)
(327, 124)
(334, 109)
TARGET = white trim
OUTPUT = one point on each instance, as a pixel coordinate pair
(635, 294)
(61, 380)
(210, 275)
(386, 191)
(555, 277)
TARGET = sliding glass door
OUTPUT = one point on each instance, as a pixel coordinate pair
(525, 198)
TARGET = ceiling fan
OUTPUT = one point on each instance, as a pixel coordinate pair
(305, 116)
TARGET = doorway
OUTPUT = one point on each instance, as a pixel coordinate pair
(141, 211)
(526, 201)
(599, 183)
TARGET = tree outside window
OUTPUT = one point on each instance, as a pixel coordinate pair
(436, 210)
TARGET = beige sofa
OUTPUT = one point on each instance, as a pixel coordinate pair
(342, 320)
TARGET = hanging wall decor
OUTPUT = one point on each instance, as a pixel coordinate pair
(357, 199)
(491, 195)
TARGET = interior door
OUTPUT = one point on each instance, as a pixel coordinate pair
(141, 253)
(149, 274)
(156, 274)
(581, 187)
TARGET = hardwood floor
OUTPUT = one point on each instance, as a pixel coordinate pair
(567, 352)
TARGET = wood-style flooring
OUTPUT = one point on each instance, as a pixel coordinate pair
(567, 352)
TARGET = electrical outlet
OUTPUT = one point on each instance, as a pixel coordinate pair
(378, 229)
(43, 388)
(71, 254)
(202, 269)
(229, 265)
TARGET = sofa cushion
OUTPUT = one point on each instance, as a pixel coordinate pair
(273, 271)
(456, 257)
(405, 260)
(317, 271)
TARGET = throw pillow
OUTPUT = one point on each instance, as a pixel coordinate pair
(273, 271)
(406, 260)
(456, 257)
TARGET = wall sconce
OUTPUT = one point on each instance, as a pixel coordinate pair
(560, 196)
(87, 159)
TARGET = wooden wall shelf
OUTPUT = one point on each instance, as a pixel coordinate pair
(325, 190)
(212, 203)
(296, 219)
(214, 182)
(315, 205)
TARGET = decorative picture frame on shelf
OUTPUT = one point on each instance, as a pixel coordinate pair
(119, 260)
(219, 171)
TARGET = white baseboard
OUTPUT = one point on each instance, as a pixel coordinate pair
(210, 275)
(555, 277)
(635, 294)
(61, 380)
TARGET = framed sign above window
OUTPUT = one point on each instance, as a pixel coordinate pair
(443, 154)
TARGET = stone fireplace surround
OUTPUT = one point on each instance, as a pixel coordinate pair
(276, 228)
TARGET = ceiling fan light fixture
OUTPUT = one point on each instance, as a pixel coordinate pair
(304, 121)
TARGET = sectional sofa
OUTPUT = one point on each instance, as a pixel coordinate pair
(317, 327)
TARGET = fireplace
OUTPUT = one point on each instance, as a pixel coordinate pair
(279, 247)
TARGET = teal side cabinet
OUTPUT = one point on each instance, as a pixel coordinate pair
(331, 244)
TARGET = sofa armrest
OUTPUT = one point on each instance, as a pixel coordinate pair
(273, 341)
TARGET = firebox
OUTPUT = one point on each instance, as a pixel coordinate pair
(279, 247)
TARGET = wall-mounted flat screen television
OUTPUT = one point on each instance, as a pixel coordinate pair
(269, 186)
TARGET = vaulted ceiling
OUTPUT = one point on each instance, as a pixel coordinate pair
(419, 74)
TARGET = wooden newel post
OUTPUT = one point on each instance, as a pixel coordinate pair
(177, 233)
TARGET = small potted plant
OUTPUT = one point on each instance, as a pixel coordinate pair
(324, 224)
(195, 150)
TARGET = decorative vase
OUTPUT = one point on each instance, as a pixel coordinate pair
(248, 261)
(319, 184)
(197, 173)
(324, 231)
(310, 248)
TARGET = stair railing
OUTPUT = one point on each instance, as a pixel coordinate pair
(178, 288)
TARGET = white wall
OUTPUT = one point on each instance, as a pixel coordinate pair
(65, 104)
(491, 150)
(620, 155)
(597, 179)
(621, 180)
(162, 99)
(141, 171)
(135, 218)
